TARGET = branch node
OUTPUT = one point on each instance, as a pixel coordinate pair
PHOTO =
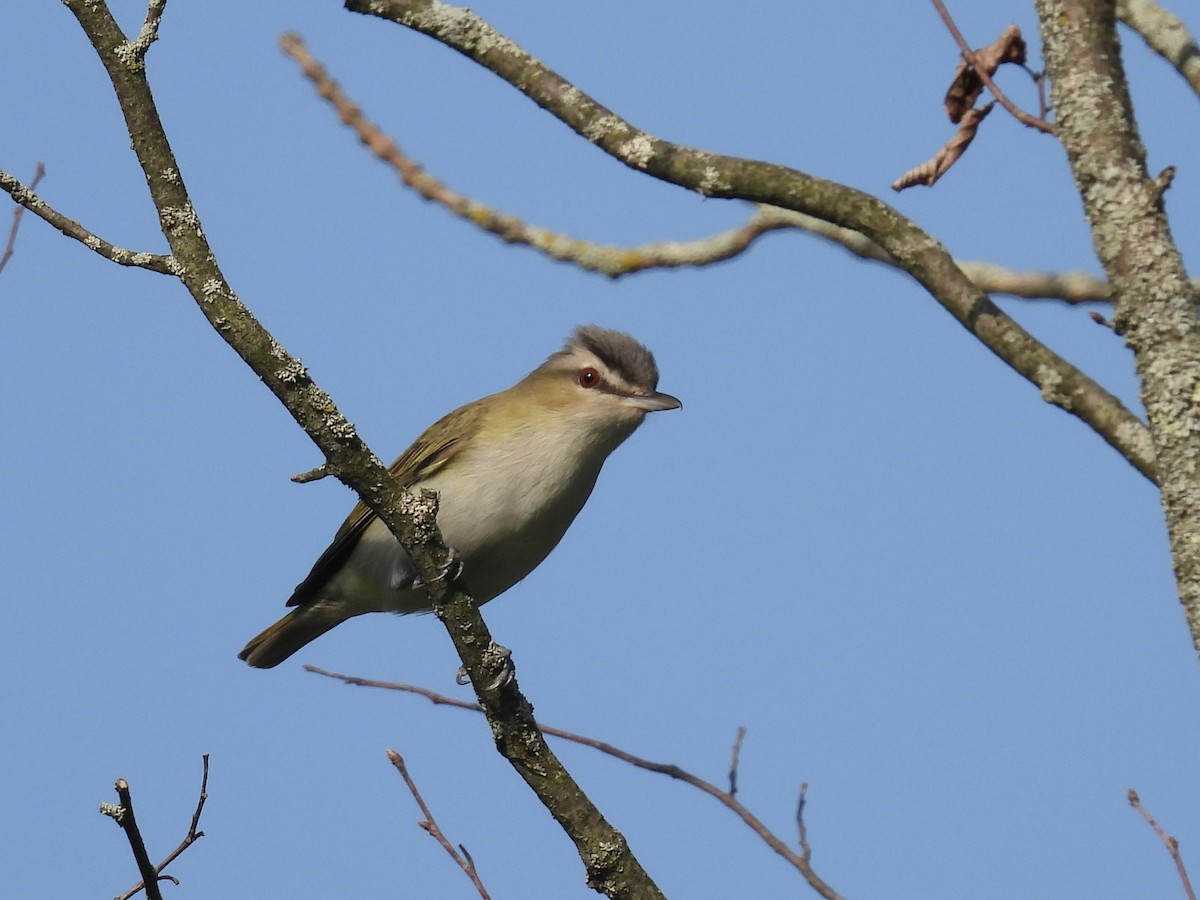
(136, 49)
(1160, 184)
(321, 471)
(113, 810)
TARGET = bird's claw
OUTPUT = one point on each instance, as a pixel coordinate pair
(494, 655)
(450, 572)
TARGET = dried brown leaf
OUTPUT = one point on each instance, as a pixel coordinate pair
(967, 85)
(933, 169)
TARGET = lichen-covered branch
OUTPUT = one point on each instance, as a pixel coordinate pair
(195, 265)
(122, 814)
(713, 175)
(1154, 303)
(609, 260)
(616, 261)
(610, 864)
(1165, 34)
(193, 834)
(72, 229)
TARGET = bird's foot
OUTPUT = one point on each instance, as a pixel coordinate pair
(494, 655)
(450, 572)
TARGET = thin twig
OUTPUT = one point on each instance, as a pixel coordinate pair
(735, 758)
(610, 260)
(1039, 79)
(16, 219)
(122, 813)
(149, 31)
(430, 825)
(190, 838)
(1172, 845)
(25, 196)
(969, 55)
(801, 828)
(798, 861)
(617, 261)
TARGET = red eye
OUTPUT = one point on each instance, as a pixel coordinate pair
(588, 377)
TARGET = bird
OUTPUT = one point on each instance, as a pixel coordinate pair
(512, 471)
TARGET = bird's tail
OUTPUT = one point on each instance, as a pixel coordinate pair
(285, 637)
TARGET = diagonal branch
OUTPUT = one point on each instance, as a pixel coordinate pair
(713, 175)
(432, 828)
(610, 864)
(616, 261)
(727, 798)
(1165, 34)
(122, 814)
(1169, 842)
(72, 229)
(193, 834)
(16, 219)
(608, 260)
(1155, 304)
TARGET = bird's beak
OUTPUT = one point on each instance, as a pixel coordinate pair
(655, 402)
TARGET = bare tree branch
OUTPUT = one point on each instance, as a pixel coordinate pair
(16, 219)
(727, 798)
(1165, 34)
(735, 757)
(609, 260)
(1069, 287)
(610, 865)
(430, 825)
(193, 835)
(713, 175)
(801, 828)
(617, 261)
(1172, 845)
(122, 814)
(72, 229)
(1155, 304)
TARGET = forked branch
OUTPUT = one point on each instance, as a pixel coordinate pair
(617, 261)
(611, 866)
(800, 861)
(714, 175)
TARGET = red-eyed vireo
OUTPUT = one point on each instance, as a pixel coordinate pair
(512, 471)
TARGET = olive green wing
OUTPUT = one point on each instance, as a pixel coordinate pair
(417, 463)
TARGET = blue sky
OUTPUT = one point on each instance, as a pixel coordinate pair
(942, 603)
